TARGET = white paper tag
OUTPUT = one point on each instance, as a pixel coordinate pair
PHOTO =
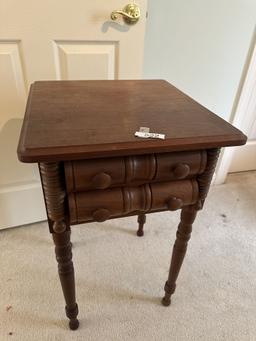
(144, 130)
(145, 135)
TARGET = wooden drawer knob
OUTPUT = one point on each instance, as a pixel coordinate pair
(101, 181)
(181, 170)
(101, 215)
(174, 203)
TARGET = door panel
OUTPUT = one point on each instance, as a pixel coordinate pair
(78, 60)
(12, 81)
(12, 98)
(54, 40)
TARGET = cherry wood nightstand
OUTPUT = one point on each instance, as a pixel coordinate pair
(93, 168)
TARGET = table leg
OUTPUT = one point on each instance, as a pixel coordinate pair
(63, 250)
(52, 178)
(188, 215)
(141, 222)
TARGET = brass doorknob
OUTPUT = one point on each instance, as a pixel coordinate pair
(130, 14)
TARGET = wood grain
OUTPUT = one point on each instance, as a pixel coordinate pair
(68, 120)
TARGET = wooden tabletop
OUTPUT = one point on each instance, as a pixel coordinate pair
(67, 120)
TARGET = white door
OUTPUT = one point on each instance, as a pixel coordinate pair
(47, 40)
(244, 158)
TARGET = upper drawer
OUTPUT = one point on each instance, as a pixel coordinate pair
(120, 171)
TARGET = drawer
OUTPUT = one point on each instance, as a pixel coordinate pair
(122, 171)
(101, 205)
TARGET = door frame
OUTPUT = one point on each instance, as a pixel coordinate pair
(244, 112)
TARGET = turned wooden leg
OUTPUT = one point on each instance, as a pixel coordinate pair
(52, 177)
(188, 215)
(66, 273)
(141, 222)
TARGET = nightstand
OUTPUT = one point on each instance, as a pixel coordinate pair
(93, 168)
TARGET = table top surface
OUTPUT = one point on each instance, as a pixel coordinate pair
(68, 120)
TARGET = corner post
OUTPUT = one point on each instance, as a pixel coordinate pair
(52, 178)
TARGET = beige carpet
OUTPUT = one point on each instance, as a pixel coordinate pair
(120, 277)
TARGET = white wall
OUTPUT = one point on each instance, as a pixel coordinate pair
(201, 47)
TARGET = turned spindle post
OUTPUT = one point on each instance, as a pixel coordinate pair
(204, 180)
(66, 273)
(54, 193)
(141, 222)
(188, 215)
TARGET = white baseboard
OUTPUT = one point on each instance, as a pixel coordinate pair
(244, 158)
(21, 204)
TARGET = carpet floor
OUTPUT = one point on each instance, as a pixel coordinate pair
(120, 277)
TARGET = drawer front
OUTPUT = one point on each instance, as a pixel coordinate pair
(112, 172)
(102, 205)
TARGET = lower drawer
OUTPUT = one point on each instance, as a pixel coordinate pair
(101, 205)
